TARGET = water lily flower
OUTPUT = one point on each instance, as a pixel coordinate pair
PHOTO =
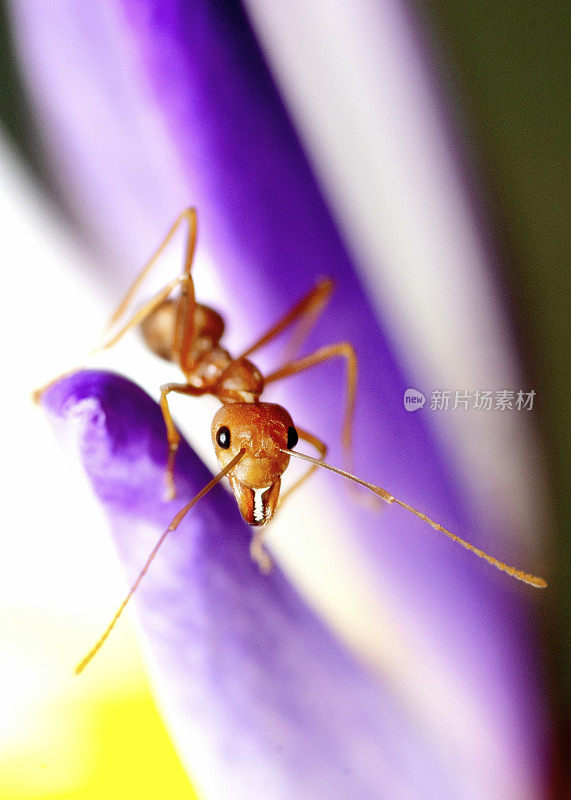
(150, 107)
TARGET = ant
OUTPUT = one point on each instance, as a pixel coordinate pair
(253, 440)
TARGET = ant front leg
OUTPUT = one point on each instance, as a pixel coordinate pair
(173, 436)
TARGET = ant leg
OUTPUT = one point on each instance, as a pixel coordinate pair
(188, 214)
(257, 550)
(341, 350)
(140, 315)
(258, 553)
(173, 436)
(135, 320)
(321, 448)
(185, 279)
(184, 326)
(307, 311)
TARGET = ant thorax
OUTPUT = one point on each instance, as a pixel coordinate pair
(210, 368)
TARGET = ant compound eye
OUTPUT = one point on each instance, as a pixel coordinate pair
(223, 437)
(292, 438)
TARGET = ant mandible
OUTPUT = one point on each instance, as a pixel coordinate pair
(253, 440)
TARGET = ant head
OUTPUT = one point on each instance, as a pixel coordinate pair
(263, 430)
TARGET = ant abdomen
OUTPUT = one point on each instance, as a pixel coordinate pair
(158, 329)
(160, 326)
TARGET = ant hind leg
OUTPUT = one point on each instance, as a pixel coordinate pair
(188, 214)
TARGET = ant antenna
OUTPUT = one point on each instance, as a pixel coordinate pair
(539, 583)
(173, 526)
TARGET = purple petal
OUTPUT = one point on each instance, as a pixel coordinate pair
(369, 105)
(248, 676)
(199, 69)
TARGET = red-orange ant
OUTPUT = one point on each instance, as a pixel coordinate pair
(253, 440)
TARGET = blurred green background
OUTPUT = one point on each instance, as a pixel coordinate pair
(506, 63)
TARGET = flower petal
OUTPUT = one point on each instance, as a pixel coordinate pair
(262, 700)
(265, 217)
(369, 104)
